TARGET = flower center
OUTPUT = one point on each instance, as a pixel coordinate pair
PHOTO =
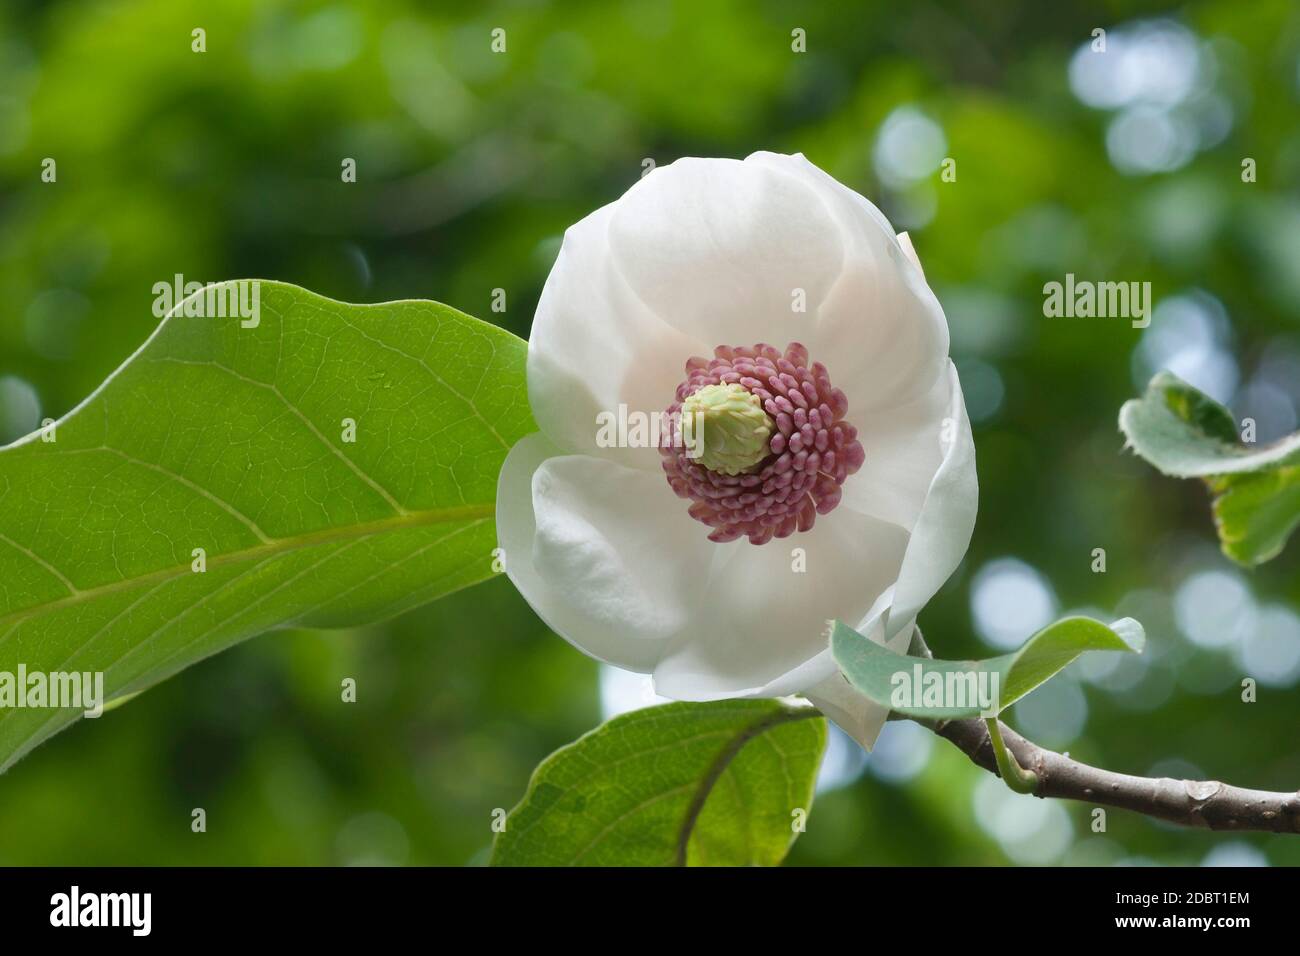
(759, 443)
(728, 427)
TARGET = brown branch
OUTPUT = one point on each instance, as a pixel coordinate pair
(1192, 803)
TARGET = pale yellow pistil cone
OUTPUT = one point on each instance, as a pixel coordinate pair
(725, 428)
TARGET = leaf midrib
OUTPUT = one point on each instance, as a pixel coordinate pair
(273, 548)
(720, 764)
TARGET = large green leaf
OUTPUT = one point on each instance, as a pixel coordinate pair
(229, 438)
(1186, 434)
(726, 783)
(923, 687)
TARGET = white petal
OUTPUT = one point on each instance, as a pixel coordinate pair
(595, 345)
(880, 330)
(718, 247)
(943, 530)
(904, 448)
(606, 555)
(761, 628)
(909, 250)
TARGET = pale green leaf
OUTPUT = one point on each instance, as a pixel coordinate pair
(1186, 434)
(973, 688)
(232, 439)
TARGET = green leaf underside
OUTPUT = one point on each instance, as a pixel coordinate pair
(230, 439)
(875, 670)
(683, 784)
(1186, 434)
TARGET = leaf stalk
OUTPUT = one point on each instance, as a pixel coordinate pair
(1017, 778)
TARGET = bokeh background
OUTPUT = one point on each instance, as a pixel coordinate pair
(1125, 165)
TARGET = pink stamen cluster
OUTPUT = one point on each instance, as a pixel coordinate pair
(811, 452)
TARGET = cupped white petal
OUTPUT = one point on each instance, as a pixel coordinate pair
(727, 251)
(606, 555)
(904, 448)
(879, 330)
(761, 629)
(942, 531)
(595, 346)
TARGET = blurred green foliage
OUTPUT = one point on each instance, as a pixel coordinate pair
(226, 164)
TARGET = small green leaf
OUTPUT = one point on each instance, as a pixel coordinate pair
(1186, 434)
(725, 783)
(922, 687)
(327, 465)
(1255, 514)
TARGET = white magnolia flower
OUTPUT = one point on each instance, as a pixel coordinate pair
(810, 500)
